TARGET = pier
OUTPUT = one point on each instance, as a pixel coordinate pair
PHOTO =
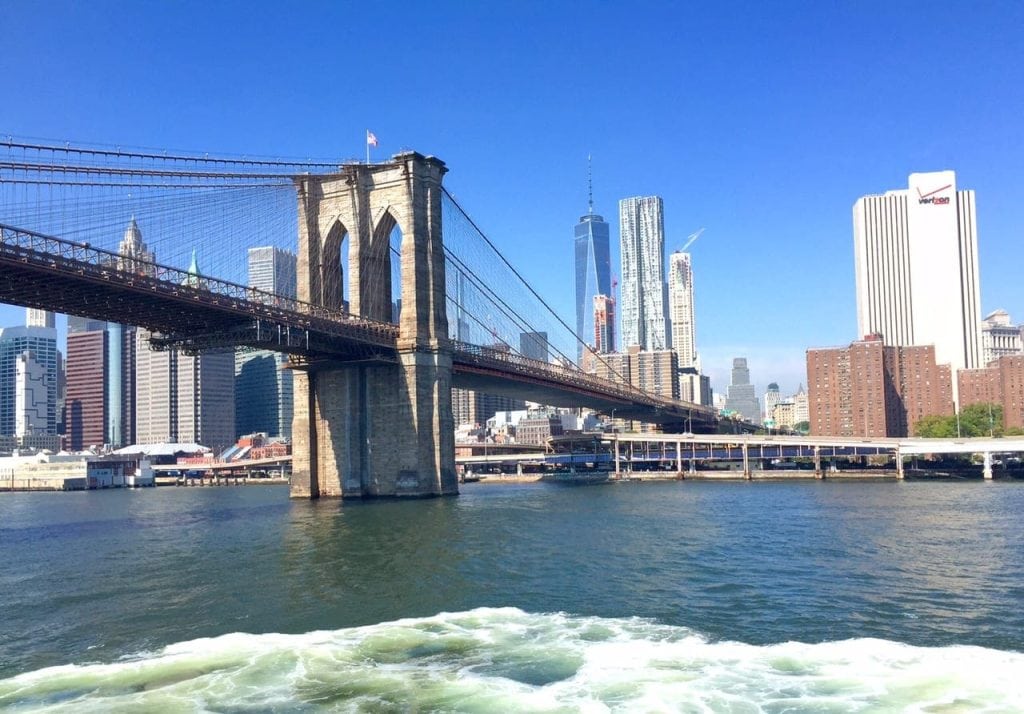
(745, 456)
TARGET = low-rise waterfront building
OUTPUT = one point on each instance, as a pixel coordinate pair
(71, 472)
(538, 428)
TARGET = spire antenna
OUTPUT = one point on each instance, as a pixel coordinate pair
(590, 185)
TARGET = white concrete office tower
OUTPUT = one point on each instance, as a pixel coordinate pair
(39, 318)
(999, 337)
(916, 257)
(272, 270)
(642, 253)
(41, 342)
(31, 396)
(680, 301)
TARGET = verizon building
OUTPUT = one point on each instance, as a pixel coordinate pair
(916, 255)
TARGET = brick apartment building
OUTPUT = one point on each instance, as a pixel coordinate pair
(873, 390)
(1002, 382)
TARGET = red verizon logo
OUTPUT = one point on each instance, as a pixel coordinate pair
(931, 198)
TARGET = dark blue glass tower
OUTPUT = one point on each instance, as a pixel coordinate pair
(593, 272)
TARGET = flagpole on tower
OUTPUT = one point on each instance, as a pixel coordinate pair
(371, 140)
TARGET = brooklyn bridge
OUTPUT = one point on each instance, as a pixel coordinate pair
(401, 296)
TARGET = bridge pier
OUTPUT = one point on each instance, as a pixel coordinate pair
(376, 430)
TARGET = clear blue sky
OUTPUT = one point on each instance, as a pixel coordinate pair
(762, 122)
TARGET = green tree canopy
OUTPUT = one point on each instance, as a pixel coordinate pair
(975, 420)
(936, 427)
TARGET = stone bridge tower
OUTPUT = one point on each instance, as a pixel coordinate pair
(376, 429)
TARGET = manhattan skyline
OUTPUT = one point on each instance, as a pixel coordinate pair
(764, 125)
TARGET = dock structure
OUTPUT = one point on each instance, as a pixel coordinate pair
(738, 456)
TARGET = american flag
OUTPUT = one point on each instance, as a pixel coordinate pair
(371, 139)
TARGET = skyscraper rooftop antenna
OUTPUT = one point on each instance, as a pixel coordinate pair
(590, 185)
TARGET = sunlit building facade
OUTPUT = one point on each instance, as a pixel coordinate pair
(916, 258)
(592, 270)
(642, 292)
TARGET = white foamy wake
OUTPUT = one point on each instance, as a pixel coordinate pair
(506, 660)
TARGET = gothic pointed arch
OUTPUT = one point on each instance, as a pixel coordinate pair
(333, 266)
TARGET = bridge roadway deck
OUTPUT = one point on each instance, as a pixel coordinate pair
(196, 312)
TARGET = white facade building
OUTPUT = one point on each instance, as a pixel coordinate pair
(135, 256)
(999, 336)
(680, 301)
(916, 257)
(273, 270)
(39, 318)
(642, 254)
(31, 396)
(801, 406)
(772, 397)
(41, 342)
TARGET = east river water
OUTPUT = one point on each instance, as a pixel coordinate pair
(693, 596)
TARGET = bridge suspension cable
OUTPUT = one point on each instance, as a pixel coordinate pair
(485, 289)
(118, 154)
(218, 206)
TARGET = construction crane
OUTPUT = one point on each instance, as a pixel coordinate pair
(690, 239)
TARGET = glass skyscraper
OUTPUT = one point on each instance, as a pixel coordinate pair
(593, 272)
(643, 290)
(41, 343)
